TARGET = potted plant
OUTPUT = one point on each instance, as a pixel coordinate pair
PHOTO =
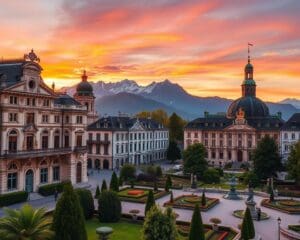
(215, 222)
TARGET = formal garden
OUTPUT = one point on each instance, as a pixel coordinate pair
(290, 206)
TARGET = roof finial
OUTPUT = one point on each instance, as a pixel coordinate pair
(249, 44)
(53, 86)
(84, 76)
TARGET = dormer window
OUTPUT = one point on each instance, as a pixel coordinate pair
(31, 84)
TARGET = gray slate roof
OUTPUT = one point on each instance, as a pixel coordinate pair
(293, 124)
(10, 72)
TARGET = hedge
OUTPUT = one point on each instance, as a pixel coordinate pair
(49, 189)
(12, 198)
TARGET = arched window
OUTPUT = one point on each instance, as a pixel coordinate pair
(13, 141)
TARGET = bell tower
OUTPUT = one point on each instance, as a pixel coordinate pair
(85, 96)
(248, 85)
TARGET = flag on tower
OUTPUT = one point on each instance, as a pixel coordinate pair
(250, 44)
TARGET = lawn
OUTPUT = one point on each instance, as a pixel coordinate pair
(126, 230)
(290, 206)
(139, 195)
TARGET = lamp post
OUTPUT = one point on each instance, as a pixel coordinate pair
(279, 221)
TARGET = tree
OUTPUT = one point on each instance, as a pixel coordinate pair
(114, 183)
(293, 163)
(203, 199)
(159, 225)
(196, 230)
(176, 125)
(26, 223)
(104, 186)
(251, 179)
(127, 172)
(211, 175)
(97, 193)
(168, 183)
(150, 201)
(158, 171)
(86, 201)
(109, 207)
(194, 159)
(247, 231)
(158, 115)
(173, 151)
(68, 219)
(266, 159)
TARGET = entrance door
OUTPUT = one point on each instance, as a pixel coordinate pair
(240, 156)
(29, 181)
(78, 172)
(89, 163)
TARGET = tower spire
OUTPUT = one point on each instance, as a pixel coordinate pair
(84, 76)
(249, 44)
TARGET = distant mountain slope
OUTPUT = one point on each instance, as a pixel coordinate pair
(293, 101)
(131, 104)
(166, 95)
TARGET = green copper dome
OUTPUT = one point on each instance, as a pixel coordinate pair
(249, 82)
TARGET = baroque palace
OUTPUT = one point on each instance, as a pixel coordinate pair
(43, 132)
(233, 136)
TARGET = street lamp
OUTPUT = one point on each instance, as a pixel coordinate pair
(279, 221)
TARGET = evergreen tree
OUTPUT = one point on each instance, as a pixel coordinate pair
(293, 163)
(159, 225)
(247, 231)
(203, 199)
(173, 151)
(114, 183)
(168, 183)
(176, 125)
(150, 201)
(194, 159)
(109, 207)
(196, 230)
(266, 158)
(97, 193)
(68, 219)
(171, 197)
(104, 186)
(86, 202)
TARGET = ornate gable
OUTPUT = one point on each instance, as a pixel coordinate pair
(137, 126)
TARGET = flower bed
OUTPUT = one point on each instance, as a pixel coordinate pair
(138, 195)
(295, 228)
(177, 183)
(189, 202)
(289, 206)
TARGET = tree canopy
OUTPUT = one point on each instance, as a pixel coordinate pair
(173, 152)
(176, 125)
(194, 159)
(158, 115)
(127, 172)
(266, 158)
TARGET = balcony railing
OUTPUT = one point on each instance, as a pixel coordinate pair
(104, 142)
(36, 152)
(80, 149)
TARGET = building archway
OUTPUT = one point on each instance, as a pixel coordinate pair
(97, 164)
(89, 163)
(240, 155)
(78, 172)
(29, 181)
(105, 164)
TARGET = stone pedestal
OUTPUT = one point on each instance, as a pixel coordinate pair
(251, 205)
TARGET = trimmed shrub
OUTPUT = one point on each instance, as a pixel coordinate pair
(211, 175)
(68, 219)
(12, 198)
(109, 207)
(196, 230)
(150, 202)
(145, 177)
(247, 231)
(168, 184)
(97, 193)
(86, 201)
(127, 172)
(114, 183)
(104, 186)
(203, 199)
(49, 189)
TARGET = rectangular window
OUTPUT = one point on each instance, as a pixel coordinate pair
(90, 136)
(30, 118)
(44, 175)
(97, 149)
(56, 173)
(46, 103)
(45, 118)
(29, 142)
(56, 141)
(13, 117)
(79, 141)
(79, 119)
(56, 119)
(188, 134)
(106, 136)
(221, 155)
(98, 136)
(13, 100)
(67, 119)
(105, 149)
(12, 181)
(44, 142)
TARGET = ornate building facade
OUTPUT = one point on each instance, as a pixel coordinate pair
(114, 141)
(233, 136)
(289, 135)
(42, 132)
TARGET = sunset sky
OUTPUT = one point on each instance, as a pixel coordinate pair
(201, 45)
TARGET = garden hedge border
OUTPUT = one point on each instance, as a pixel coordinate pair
(12, 198)
(265, 203)
(49, 189)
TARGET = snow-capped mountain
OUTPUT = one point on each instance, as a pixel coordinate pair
(129, 97)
